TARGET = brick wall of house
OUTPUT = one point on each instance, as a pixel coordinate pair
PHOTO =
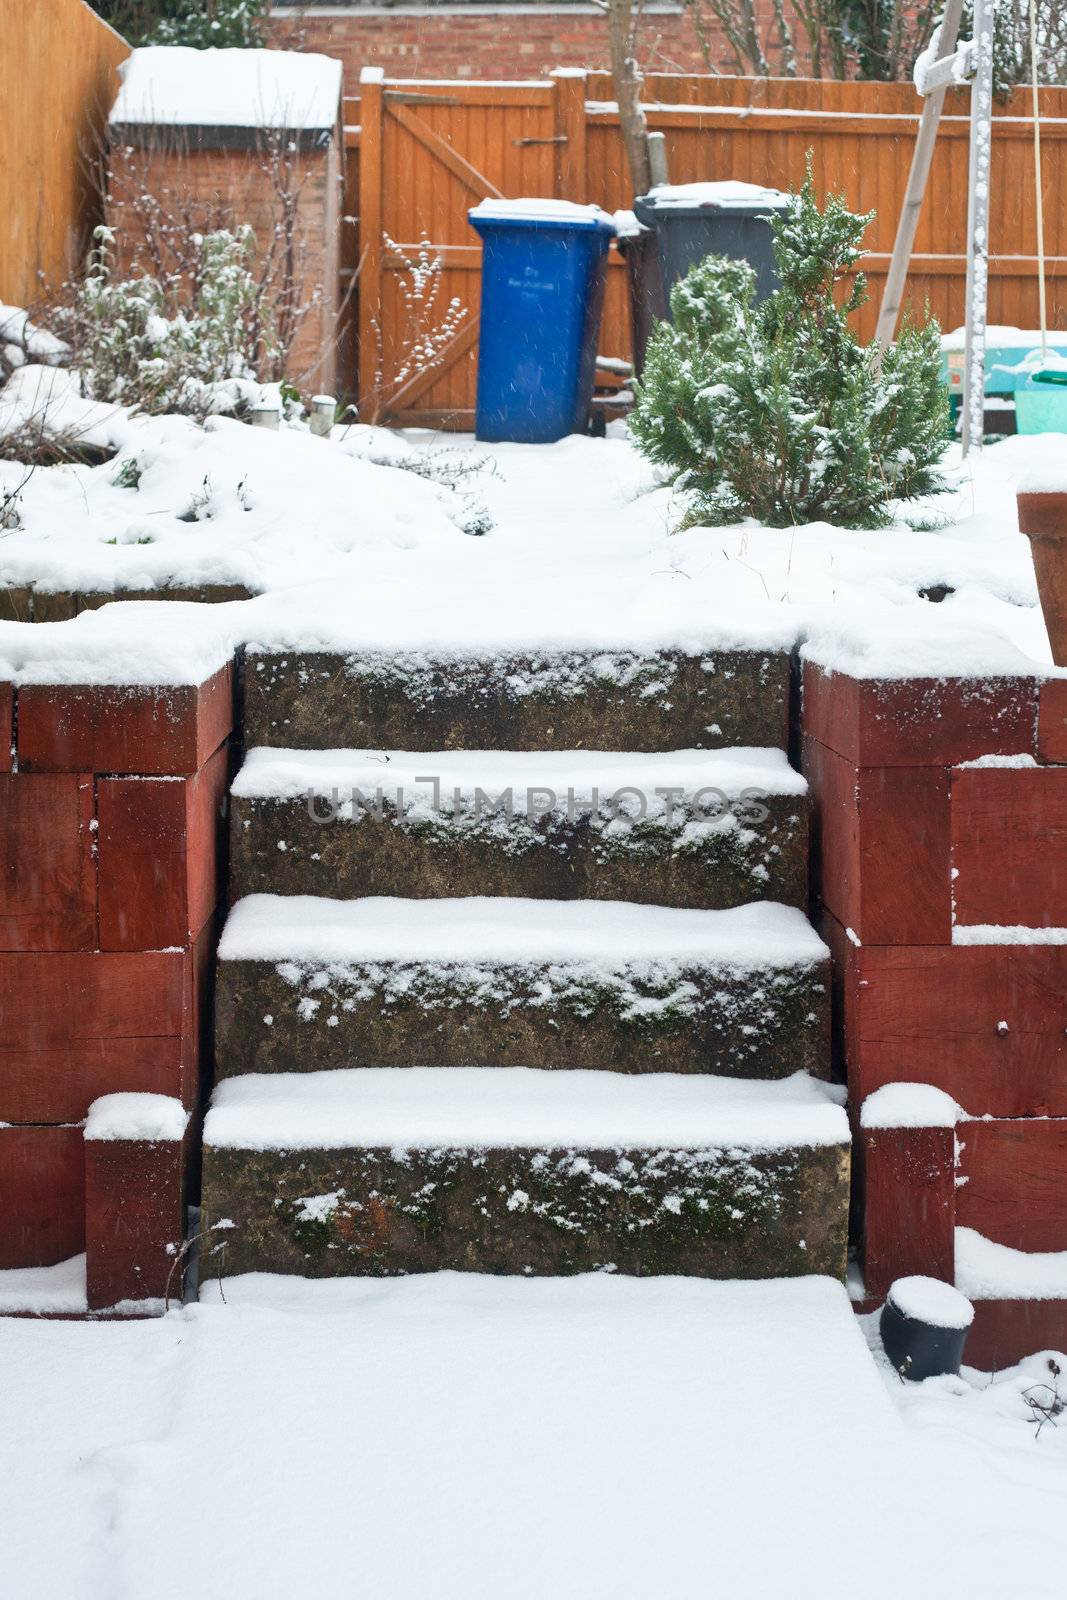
(486, 41)
(200, 189)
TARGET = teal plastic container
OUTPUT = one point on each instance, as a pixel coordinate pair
(1040, 407)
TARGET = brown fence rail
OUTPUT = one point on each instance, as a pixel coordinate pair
(428, 151)
(57, 82)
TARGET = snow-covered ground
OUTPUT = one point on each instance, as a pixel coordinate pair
(454, 1436)
(358, 552)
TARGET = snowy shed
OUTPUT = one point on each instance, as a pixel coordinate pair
(202, 139)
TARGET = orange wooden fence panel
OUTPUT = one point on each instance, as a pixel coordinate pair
(428, 151)
(58, 79)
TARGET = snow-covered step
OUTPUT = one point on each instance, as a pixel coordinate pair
(685, 828)
(619, 699)
(517, 1170)
(307, 983)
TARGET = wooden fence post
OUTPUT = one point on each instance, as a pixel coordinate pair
(568, 85)
(372, 93)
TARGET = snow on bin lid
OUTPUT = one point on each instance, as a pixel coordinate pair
(179, 87)
(533, 209)
(933, 1302)
(728, 192)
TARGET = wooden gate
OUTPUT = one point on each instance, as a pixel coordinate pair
(427, 152)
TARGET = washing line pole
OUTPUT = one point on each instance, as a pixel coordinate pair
(922, 156)
(978, 229)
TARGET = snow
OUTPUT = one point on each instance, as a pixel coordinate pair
(1006, 933)
(156, 1117)
(355, 552)
(305, 928)
(723, 193)
(1004, 335)
(932, 1301)
(452, 1436)
(910, 1105)
(36, 343)
(520, 1107)
(44, 1291)
(532, 776)
(135, 643)
(986, 1270)
(1018, 761)
(1048, 477)
(538, 209)
(170, 84)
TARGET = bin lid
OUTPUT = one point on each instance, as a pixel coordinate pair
(533, 212)
(698, 199)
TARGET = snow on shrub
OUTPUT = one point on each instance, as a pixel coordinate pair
(199, 23)
(175, 343)
(775, 410)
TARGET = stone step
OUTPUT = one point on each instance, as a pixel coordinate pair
(516, 1170)
(700, 828)
(564, 700)
(306, 983)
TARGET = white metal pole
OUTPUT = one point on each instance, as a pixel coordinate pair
(978, 229)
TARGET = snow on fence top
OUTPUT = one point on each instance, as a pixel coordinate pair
(520, 1108)
(175, 86)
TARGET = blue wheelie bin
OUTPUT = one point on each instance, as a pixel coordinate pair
(543, 268)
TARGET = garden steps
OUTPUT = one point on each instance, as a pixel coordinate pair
(511, 1041)
(608, 699)
(310, 983)
(696, 828)
(496, 1169)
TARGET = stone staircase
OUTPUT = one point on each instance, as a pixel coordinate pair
(518, 976)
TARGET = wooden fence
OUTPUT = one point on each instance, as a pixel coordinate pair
(58, 79)
(421, 153)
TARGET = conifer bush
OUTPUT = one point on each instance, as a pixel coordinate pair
(775, 410)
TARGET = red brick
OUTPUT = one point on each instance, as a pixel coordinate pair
(106, 728)
(158, 844)
(42, 1196)
(1016, 1181)
(1052, 721)
(908, 1177)
(1009, 845)
(134, 1220)
(7, 725)
(78, 1026)
(926, 1015)
(919, 721)
(880, 847)
(47, 870)
(1004, 1331)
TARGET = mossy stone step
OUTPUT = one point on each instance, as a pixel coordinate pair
(690, 828)
(306, 983)
(514, 1171)
(568, 700)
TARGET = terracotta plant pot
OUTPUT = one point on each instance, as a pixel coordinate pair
(1043, 518)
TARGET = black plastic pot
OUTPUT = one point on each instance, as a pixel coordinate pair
(919, 1349)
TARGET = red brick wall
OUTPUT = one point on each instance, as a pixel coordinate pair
(203, 189)
(108, 891)
(490, 42)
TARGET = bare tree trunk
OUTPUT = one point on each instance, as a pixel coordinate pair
(785, 36)
(623, 19)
